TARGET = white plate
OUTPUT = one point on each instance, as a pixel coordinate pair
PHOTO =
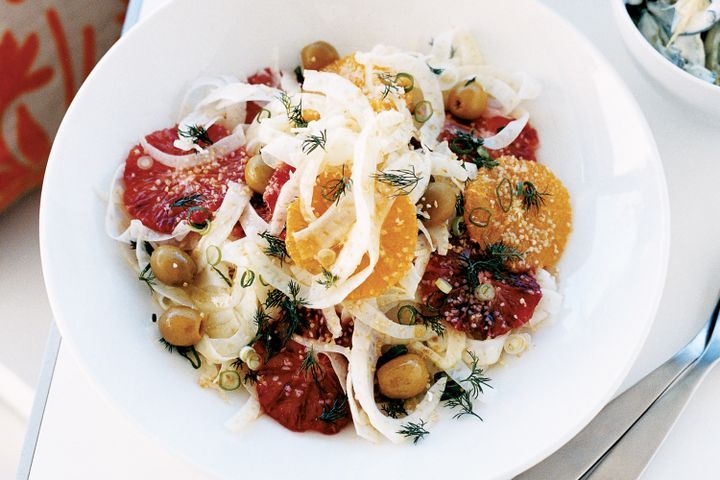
(593, 136)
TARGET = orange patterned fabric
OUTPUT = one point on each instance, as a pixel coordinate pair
(47, 47)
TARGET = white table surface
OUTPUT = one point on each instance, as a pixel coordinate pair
(82, 436)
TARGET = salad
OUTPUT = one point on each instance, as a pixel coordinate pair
(686, 32)
(357, 240)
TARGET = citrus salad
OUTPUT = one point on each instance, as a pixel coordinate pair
(355, 241)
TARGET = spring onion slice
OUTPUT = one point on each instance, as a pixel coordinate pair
(229, 380)
(423, 111)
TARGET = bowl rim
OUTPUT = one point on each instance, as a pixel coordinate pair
(623, 20)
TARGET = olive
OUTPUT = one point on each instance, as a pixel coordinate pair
(181, 326)
(318, 55)
(439, 202)
(257, 174)
(467, 100)
(172, 266)
(403, 377)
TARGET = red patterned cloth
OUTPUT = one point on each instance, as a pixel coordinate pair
(47, 48)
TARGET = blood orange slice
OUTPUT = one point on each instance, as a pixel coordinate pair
(161, 196)
(299, 397)
(524, 146)
(514, 295)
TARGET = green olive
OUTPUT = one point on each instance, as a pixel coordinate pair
(257, 174)
(172, 266)
(318, 55)
(439, 202)
(467, 100)
(403, 377)
(181, 326)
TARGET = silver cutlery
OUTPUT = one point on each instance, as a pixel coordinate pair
(621, 440)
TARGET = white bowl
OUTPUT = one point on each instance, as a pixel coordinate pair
(702, 96)
(593, 136)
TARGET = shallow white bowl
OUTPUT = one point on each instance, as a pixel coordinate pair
(702, 96)
(593, 136)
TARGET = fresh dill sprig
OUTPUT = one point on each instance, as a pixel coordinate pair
(148, 277)
(404, 179)
(433, 321)
(289, 306)
(310, 366)
(336, 188)
(469, 82)
(476, 379)
(416, 431)
(262, 322)
(469, 148)
(312, 142)
(276, 246)
(530, 195)
(249, 376)
(394, 408)
(329, 279)
(335, 412)
(430, 319)
(188, 201)
(189, 353)
(492, 260)
(294, 112)
(464, 402)
(398, 83)
(197, 134)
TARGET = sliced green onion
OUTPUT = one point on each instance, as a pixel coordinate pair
(406, 315)
(250, 357)
(475, 219)
(247, 278)
(213, 255)
(484, 292)
(460, 146)
(405, 81)
(443, 285)
(456, 225)
(423, 111)
(498, 191)
(262, 115)
(229, 380)
(262, 280)
(201, 229)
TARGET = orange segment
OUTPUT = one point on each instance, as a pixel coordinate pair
(398, 238)
(498, 214)
(348, 68)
